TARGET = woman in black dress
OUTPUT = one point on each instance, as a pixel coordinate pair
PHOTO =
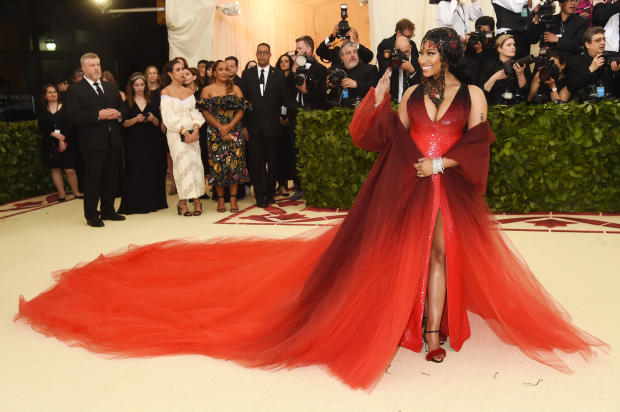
(58, 147)
(286, 149)
(144, 181)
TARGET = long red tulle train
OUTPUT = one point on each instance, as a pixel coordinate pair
(345, 298)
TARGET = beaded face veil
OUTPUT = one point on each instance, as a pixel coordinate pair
(447, 42)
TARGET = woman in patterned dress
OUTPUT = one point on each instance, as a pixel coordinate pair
(222, 105)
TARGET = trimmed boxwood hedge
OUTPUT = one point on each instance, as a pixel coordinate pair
(21, 173)
(551, 157)
(563, 158)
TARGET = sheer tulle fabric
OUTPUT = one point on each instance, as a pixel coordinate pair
(344, 299)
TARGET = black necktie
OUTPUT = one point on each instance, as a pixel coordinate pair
(261, 79)
(99, 91)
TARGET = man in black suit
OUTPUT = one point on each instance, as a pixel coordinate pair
(265, 88)
(406, 28)
(96, 109)
(333, 54)
(360, 77)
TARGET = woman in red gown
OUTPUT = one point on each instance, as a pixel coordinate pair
(349, 297)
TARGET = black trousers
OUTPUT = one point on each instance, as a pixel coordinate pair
(262, 152)
(101, 176)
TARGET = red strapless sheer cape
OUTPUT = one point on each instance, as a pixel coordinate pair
(345, 299)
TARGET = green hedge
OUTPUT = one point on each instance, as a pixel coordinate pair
(21, 172)
(550, 157)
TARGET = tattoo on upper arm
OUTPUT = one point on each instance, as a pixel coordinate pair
(482, 117)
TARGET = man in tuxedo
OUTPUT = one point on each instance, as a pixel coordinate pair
(406, 28)
(96, 109)
(265, 88)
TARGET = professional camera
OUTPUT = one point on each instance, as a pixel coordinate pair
(526, 60)
(436, 1)
(611, 56)
(484, 37)
(548, 69)
(302, 74)
(335, 76)
(546, 10)
(343, 25)
(396, 57)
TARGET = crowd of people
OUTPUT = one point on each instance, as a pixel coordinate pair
(208, 126)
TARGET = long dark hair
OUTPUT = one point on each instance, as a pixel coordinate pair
(290, 62)
(131, 96)
(165, 77)
(230, 85)
(46, 86)
(451, 50)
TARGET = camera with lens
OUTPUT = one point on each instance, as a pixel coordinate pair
(526, 60)
(335, 76)
(483, 37)
(611, 56)
(303, 74)
(343, 24)
(548, 69)
(546, 10)
(395, 57)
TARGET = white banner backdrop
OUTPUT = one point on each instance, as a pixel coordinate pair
(190, 28)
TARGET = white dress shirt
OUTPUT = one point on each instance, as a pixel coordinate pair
(457, 16)
(92, 84)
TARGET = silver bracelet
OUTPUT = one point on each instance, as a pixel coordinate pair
(438, 165)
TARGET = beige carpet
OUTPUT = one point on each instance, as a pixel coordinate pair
(576, 257)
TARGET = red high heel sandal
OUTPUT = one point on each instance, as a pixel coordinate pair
(434, 354)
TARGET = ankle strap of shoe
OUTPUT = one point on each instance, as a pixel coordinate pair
(432, 331)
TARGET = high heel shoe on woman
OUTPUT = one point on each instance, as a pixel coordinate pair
(436, 355)
(182, 209)
(233, 209)
(223, 208)
(197, 207)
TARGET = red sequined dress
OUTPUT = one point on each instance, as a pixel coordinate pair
(345, 299)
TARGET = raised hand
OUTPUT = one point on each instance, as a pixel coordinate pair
(383, 86)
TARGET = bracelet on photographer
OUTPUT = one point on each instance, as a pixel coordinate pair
(438, 165)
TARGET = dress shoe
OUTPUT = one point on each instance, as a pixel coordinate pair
(94, 222)
(271, 200)
(114, 216)
(261, 203)
(297, 195)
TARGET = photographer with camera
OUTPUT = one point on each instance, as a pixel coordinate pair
(348, 86)
(310, 76)
(457, 15)
(562, 31)
(405, 71)
(513, 17)
(504, 79)
(606, 14)
(404, 28)
(549, 81)
(479, 44)
(593, 74)
(330, 51)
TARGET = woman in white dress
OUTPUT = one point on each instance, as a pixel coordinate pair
(182, 121)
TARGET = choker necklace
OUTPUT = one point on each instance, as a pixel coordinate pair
(435, 88)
